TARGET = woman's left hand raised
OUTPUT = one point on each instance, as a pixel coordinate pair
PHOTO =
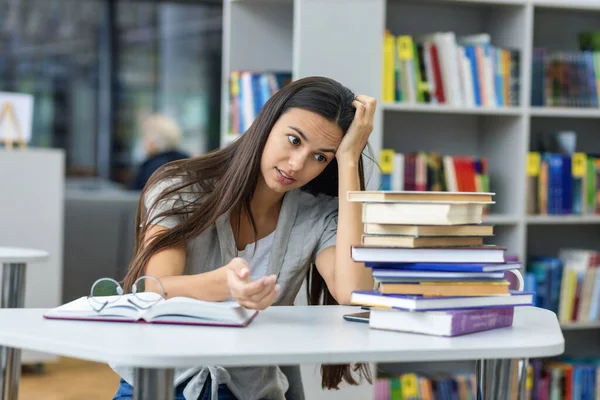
(358, 133)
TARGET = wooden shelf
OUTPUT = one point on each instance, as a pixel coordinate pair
(445, 109)
(565, 112)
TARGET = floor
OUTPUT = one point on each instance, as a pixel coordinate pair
(69, 379)
(73, 379)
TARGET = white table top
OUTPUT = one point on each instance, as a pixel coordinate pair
(278, 335)
(21, 255)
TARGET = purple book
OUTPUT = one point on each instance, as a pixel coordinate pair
(382, 389)
(442, 323)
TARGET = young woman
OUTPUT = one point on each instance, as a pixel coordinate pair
(251, 221)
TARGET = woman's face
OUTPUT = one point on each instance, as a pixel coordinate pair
(298, 149)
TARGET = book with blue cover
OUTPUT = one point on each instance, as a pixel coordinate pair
(445, 267)
(396, 275)
(487, 254)
(423, 303)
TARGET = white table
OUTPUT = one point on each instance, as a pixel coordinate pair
(14, 261)
(279, 335)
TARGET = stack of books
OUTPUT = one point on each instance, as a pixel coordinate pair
(434, 273)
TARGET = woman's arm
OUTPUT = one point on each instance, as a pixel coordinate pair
(231, 280)
(342, 275)
(168, 265)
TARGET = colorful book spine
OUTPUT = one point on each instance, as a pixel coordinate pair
(430, 171)
(560, 184)
(422, 386)
(564, 378)
(443, 68)
(248, 93)
(565, 78)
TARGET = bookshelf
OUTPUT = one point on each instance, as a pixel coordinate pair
(286, 35)
(299, 36)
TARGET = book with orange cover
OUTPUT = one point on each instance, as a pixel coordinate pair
(447, 289)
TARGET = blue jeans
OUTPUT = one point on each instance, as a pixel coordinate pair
(125, 391)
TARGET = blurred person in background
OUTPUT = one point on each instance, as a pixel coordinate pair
(160, 141)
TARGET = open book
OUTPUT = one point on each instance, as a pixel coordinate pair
(176, 310)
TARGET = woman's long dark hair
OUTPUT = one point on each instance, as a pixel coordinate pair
(227, 179)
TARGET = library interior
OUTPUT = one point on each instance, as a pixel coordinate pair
(469, 258)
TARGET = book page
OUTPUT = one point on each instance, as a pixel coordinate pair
(225, 311)
(117, 307)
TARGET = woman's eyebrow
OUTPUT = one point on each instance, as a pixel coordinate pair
(306, 139)
(299, 132)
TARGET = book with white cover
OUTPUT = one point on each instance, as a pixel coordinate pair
(471, 254)
(176, 310)
(422, 213)
(448, 323)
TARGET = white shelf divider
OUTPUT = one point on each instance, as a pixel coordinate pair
(565, 112)
(587, 5)
(563, 219)
(446, 109)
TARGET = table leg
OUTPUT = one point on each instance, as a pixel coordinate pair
(524, 363)
(12, 296)
(501, 379)
(153, 384)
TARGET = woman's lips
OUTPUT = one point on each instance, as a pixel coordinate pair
(283, 178)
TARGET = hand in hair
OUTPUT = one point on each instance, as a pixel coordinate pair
(256, 295)
(355, 140)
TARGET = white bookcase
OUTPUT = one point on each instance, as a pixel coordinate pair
(343, 39)
(335, 38)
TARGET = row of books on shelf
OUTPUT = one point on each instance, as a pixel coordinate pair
(564, 379)
(248, 92)
(547, 379)
(563, 184)
(558, 183)
(424, 386)
(443, 68)
(434, 274)
(568, 285)
(565, 78)
(421, 171)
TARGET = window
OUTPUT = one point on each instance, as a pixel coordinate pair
(97, 67)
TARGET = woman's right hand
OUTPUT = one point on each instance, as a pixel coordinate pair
(256, 295)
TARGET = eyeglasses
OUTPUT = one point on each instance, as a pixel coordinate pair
(146, 291)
